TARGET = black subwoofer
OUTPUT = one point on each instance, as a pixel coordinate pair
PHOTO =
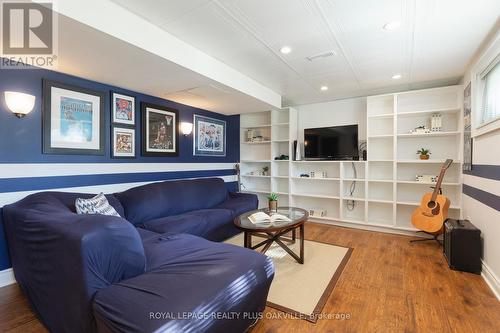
(462, 246)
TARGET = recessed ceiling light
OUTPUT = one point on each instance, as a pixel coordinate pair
(391, 25)
(397, 76)
(324, 88)
(286, 49)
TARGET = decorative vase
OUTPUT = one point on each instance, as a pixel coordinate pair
(273, 205)
(424, 157)
(297, 152)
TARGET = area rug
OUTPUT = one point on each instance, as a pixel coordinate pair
(302, 290)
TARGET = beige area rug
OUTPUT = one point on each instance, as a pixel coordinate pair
(298, 289)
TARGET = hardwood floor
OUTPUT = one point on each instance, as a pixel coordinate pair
(389, 285)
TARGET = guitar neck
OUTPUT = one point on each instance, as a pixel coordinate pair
(438, 186)
(445, 166)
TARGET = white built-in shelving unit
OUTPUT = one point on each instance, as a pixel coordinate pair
(386, 192)
(278, 129)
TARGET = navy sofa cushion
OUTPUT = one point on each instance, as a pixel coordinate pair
(61, 259)
(198, 222)
(239, 203)
(152, 201)
(187, 275)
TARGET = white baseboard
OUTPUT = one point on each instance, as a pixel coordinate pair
(491, 280)
(7, 277)
(367, 227)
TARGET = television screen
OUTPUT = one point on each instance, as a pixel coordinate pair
(331, 143)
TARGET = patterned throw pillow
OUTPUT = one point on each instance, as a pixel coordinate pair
(96, 205)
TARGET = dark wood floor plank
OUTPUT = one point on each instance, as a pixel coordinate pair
(388, 285)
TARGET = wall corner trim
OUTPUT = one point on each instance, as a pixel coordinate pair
(491, 280)
(7, 277)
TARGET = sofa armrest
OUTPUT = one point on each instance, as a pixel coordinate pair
(61, 259)
(109, 247)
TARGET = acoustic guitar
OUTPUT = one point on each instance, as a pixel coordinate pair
(433, 210)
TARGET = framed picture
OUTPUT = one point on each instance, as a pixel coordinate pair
(160, 130)
(123, 142)
(209, 136)
(467, 164)
(73, 120)
(122, 109)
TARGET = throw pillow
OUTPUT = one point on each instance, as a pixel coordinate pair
(96, 205)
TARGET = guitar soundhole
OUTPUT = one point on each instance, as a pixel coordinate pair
(431, 204)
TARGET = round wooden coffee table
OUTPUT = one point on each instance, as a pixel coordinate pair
(275, 232)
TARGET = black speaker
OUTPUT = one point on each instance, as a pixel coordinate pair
(462, 246)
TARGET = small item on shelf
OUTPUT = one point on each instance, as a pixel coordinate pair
(420, 130)
(304, 175)
(260, 172)
(297, 151)
(282, 158)
(265, 171)
(362, 149)
(317, 212)
(249, 135)
(261, 217)
(273, 202)
(318, 174)
(424, 153)
(258, 138)
(436, 122)
(426, 178)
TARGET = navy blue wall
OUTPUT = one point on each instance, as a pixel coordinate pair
(21, 139)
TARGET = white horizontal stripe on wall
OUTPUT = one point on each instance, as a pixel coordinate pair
(74, 169)
(489, 185)
(11, 197)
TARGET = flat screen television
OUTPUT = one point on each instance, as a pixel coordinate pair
(331, 143)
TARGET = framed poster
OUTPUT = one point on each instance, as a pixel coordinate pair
(209, 136)
(467, 164)
(160, 130)
(73, 120)
(122, 109)
(123, 142)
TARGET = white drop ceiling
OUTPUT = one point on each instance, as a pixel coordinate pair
(433, 46)
(224, 55)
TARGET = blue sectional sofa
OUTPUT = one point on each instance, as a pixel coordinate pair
(154, 269)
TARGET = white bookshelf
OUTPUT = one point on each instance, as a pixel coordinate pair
(392, 160)
(278, 129)
(386, 192)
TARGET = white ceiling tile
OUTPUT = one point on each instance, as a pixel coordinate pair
(435, 42)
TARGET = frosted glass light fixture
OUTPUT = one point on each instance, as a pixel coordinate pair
(186, 128)
(19, 103)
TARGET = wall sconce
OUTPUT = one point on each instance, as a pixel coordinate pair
(19, 103)
(186, 128)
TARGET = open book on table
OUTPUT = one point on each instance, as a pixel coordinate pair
(261, 217)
